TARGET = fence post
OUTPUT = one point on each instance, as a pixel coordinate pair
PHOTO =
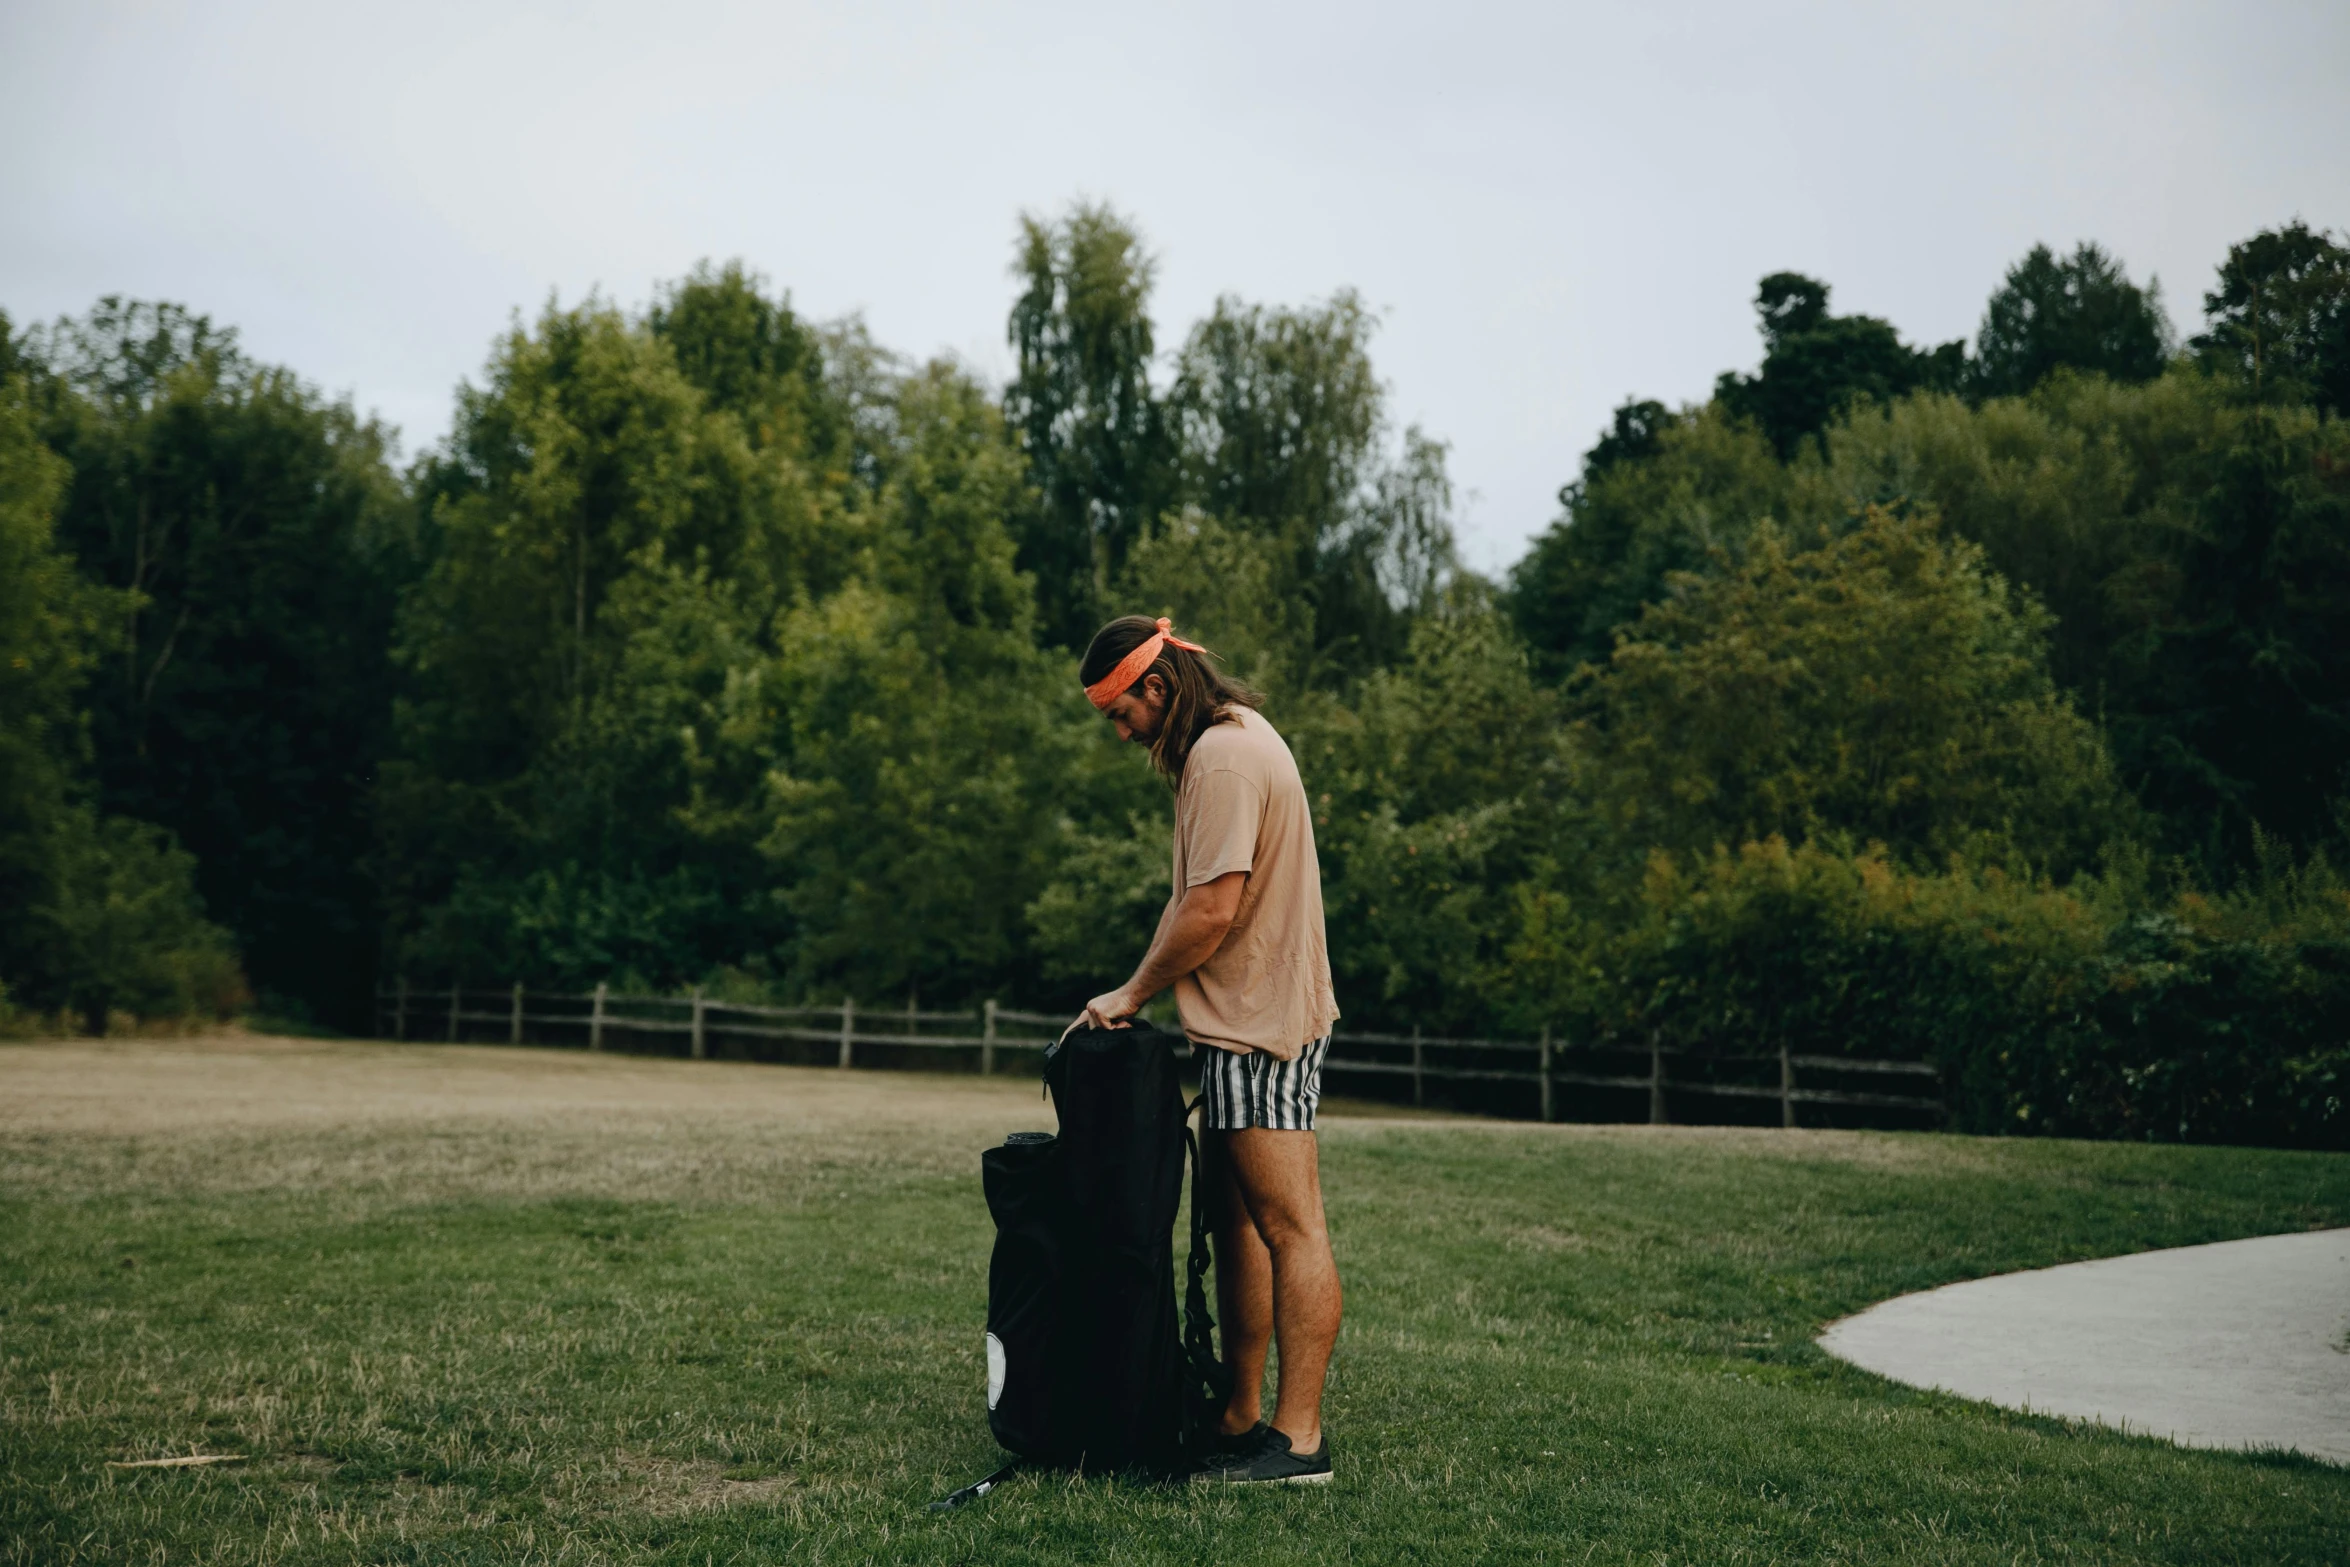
(1546, 1106)
(400, 1007)
(1419, 1068)
(596, 1020)
(514, 1023)
(701, 1049)
(848, 1028)
(1786, 1089)
(987, 1042)
(456, 992)
(1656, 1079)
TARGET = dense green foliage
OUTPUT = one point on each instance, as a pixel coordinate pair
(1816, 364)
(715, 646)
(2190, 547)
(253, 536)
(1882, 684)
(728, 675)
(2082, 313)
(2280, 317)
(1274, 427)
(2093, 1010)
(50, 629)
(1089, 423)
(2162, 682)
(686, 1313)
(98, 913)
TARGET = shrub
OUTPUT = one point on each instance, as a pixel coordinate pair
(126, 930)
(1828, 951)
(2222, 1019)
(2218, 1020)
(1884, 683)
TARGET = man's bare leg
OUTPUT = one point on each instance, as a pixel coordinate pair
(1278, 1179)
(1244, 1290)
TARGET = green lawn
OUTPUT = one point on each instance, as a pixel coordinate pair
(710, 1339)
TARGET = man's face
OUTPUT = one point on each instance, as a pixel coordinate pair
(1138, 716)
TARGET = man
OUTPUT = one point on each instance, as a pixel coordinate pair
(1241, 942)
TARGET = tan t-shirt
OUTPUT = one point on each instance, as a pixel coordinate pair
(1241, 807)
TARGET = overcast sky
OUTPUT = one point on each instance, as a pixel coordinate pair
(1552, 206)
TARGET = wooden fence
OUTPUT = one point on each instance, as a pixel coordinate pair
(600, 1020)
(1662, 1076)
(1607, 1079)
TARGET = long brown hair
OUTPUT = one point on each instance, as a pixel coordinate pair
(1199, 695)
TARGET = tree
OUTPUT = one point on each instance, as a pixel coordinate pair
(1082, 404)
(1280, 428)
(1632, 523)
(689, 701)
(919, 750)
(2238, 691)
(1436, 790)
(1791, 306)
(52, 631)
(1883, 685)
(2280, 317)
(2192, 549)
(2082, 493)
(125, 927)
(758, 364)
(1274, 425)
(1634, 433)
(749, 354)
(97, 913)
(1278, 417)
(609, 552)
(257, 536)
(2083, 313)
(1815, 364)
(12, 350)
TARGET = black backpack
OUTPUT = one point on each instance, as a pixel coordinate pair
(1085, 1366)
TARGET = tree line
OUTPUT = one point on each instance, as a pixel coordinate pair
(1984, 701)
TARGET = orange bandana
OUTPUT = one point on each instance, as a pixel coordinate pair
(1108, 689)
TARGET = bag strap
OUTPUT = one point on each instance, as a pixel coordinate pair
(975, 1490)
(1208, 1381)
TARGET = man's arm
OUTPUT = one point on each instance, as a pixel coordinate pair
(1188, 940)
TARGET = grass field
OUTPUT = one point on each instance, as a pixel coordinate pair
(470, 1305)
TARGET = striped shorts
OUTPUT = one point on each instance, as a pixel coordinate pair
(1238, 1091)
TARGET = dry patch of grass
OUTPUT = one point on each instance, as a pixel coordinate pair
(664, 1487)
(241, 1112)
(1544, 1238)
(408, 1123)
(248, 1081)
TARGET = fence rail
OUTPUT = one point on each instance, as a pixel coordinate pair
(983, 1038)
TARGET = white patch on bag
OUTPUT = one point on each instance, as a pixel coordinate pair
(995, 1369)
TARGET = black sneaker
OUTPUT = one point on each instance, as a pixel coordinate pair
(1224, 1444)
(1269, 1461)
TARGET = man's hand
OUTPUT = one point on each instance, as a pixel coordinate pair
(1113, 1009)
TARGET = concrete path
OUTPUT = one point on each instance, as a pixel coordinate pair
(2245, 1344)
